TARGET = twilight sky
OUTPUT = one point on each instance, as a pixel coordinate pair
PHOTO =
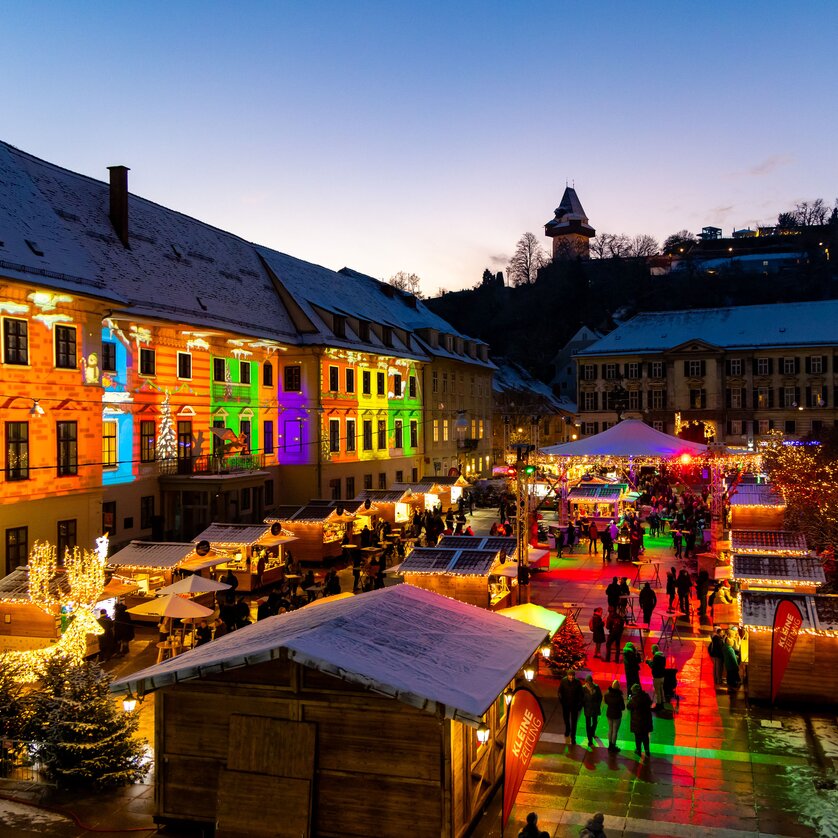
(428, 137)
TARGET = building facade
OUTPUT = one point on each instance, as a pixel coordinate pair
(731, 374)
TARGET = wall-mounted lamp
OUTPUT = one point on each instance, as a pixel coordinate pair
(36, 409)
(129, 703)
(483, 733)
(529, 671)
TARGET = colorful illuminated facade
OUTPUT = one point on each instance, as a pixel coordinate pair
(158, 374)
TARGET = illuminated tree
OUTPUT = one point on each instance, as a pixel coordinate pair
(166, 437)
(567, 648)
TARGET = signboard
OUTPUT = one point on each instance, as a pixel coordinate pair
(523, 729)
(787, 623)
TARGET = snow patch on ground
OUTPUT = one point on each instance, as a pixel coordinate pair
(22, 816)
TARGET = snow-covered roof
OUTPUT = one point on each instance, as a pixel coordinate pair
(233, 533)
(450, 561)
(569, 211)
(496, 543)
(756, 567)
(740, 327)
(15, 586)
(512, 378)
(416, 646)
(383, 495)
(176, 268)
(597, 491)
(756, 494)
(759, 607)
(151, 554)
(629, 438)
(768, 542)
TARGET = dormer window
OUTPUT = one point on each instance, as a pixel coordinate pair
(449, 343)
(386, 335)
(459, 345)
(339, 326)
(364, 331)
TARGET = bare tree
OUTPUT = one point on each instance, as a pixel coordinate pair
(811, 213)
(619, 246)
(678, 242)
(529, 256)
(643, 245)
(409, 283)
(600, 245)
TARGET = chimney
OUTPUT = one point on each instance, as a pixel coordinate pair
(119, 202)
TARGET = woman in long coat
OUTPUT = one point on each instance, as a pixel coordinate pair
(640, 708)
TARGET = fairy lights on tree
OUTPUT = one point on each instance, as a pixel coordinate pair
(166, 437)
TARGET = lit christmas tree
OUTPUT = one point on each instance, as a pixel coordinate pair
(82, 738)
(166, 437)
(567, 648)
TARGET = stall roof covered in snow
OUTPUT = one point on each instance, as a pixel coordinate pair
(756, 494)
(416, 646)
(151, 554)
(598, 491)
(759, 607)
(233, 533)
(431, 484)
(754, 567)
(15, 586)
(450, 561)
(768, 542)
(739, 327)
(383, 495)
(497, 543)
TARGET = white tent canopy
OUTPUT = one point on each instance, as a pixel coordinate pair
(629, 438)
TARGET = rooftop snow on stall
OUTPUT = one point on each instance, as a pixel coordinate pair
(151, 554)
(756, 494)
(768, 542)
(756, 568)
(453, 562)
(759, 607)
(416, 646)
(496, 543)
(233, 534)
(598, 491)
(383, 495)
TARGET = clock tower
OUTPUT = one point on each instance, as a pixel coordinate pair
(569, 230)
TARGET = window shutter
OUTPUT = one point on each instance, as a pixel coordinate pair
(727, 397)
(729, 427)
(756, 397)
(797, 395)
(771, 366)
(703, 397)
(770, 424)
(823, 364)
(824, 395)
(596, 427)
(808, 365)
(797, 366)
(770, 397)
(727, 366)
(686, 368)
(754, 366)
(809, 401)
(703, 368)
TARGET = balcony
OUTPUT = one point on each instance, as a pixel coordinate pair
(234, 464)
(229, 392)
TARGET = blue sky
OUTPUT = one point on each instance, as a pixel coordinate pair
(428, 137)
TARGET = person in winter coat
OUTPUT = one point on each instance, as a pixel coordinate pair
(607, 544)
(671, 590)
(612, 593)
(648, 599)
(571, 536)
(597, 627)
(657, 663)
(614, 625)
(717, 653)
(640, 708)
(570, 695)
(731, 663)
(684, 585)
(677, 537)
(594, 827)
(531, 830)
(123, 628)
(614, 704)
(702, 587)
(591, 706)
(631, 665)
(593, 536)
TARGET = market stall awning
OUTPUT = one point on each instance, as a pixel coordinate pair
(535, 615)
(629, 438)
(420, 648)
(192, 585)
(197, 563)
(433, 560)
(151, 554)
(596, 492)
(173, 606)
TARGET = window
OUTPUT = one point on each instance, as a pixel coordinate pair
(367, 481)
(351, 436)
(763, 366)
(350, 488)
(246, 499)
(17, 450)
(267, 374)
(65, 347)
(268, 435)
(445, 382)
(634, 400)
(589, 428)
(367, 428)
(381, 382)
(148, 361)
(695, 369)
(109, 453)
(414, 433)
(789, 366)
(382, 434)
(382, 480)
(16, 341)
(736, 427)
(334, 435)
(763, 426)
(364, 331)
(588, 372)
(589, 401)
(698, 399)
(791, 427)
(108, 356)
(386, 335)
(292, 382)
(17, 547)
(445, 430)
(244, 372)
(399, 476)
(269, 493)
(339, 325)
(411, 386)
(480, 426)
(293, 433)
(366, 382)
(244, 430)
(789, 399)
(146, 512)
(656, 369)
(658, 425)
(397, 434)
(436, 430)
(148, 440)
(350, 380)
(414, 473)
(735, 366)
(633, 370)
(397, 386)
(67, 538)
(763, 397)
(610, 371)
(184, 440)
(434, 381)
(109, 517)
(816, 365)
(657, 399)
(218, 369)
(68, 455)
(184, 365)
(334, 379)
(736, 398)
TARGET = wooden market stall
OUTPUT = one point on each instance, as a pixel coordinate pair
(756, 506)
(473, 576)
(340, 720)
(391, 505)
(601, 503)
(253, 552)
(812, 674)
(768, 542)
(505, 544)
(148, 566)
(791, 574)
(432, 491)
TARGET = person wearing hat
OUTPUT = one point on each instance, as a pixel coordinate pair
(640, 708)
(531, 830)
(594, 827)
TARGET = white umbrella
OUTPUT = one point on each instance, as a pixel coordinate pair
(191, 585)
(510, 570)
(171, 605)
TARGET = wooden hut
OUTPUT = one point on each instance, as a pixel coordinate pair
(812, 674)
(598, 502)
(756, 506)
(392, 505)
(792, 574)
(768, 542)
(432, 491)
(320, 527)
(352, 718)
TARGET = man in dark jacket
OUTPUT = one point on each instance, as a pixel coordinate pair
(570, 695)
(615, 704)
(607, 545)
(614, 625)
(592, 705)
(648, 599)
(631, 664)
(684, 585)
(717, 653)
(640, 708)
(702, 586)
(612, 593)
(657, 663)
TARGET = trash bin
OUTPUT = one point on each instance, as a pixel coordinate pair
(623, 552)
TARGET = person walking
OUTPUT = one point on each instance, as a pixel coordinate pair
(631, 665)
(591, 706)
(612, 594)
(614, 625)
(648, 599)
(570, 695)
(671, 590)
(640, 709)
(717, 653)
(571, 536)
(702, 587)
(607, 544)
(683, 585)
(123, 629)
(593, 537)
(531, 829)
(614, 704)
(106, 640)
(597, 627)
(677, 537)
(657, 663)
